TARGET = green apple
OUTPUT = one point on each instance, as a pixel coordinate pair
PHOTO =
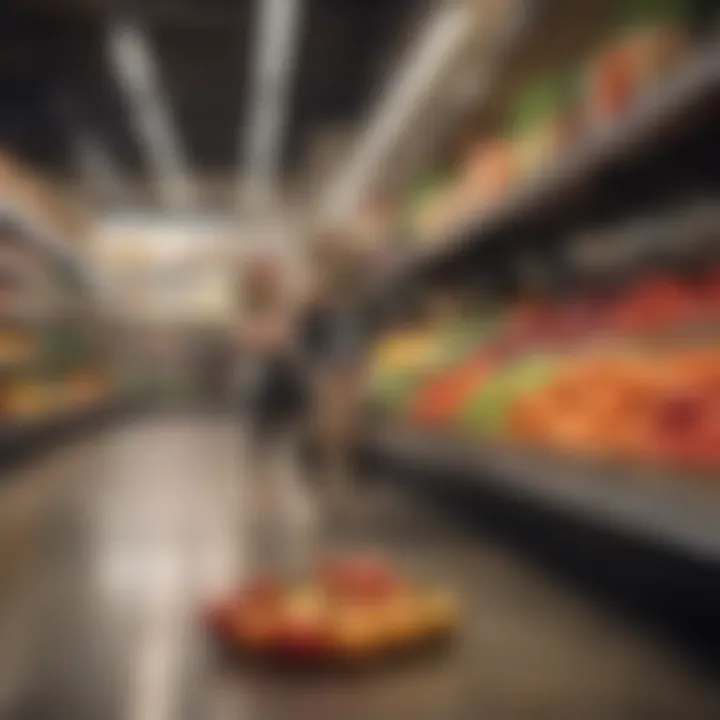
(487, 410)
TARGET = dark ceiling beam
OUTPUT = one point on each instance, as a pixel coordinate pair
(197, 14)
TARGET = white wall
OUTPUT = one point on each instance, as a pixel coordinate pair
(154, 267)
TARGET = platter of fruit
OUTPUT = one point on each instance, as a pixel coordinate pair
(349, 611)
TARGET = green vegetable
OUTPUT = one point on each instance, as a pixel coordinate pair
(540, 102)
(633, 13)
(487, 412)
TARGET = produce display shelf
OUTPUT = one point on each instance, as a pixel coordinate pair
(44, 238)
(693, 89)
(667, 508)
(10, 428)
(19, 437)
(17, 367)
(28, 319)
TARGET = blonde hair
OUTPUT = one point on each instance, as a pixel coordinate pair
(337, 262)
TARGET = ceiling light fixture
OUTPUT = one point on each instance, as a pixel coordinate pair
(134, 66)
(275, 42)
(437, 46)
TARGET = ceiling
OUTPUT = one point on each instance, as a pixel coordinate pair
(57, 84)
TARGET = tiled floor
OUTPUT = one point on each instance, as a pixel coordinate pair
(141, 522)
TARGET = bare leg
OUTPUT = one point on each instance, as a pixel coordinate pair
(266, 501)
(296, 513)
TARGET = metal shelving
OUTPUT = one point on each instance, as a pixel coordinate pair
(42, 237)
(21, 438)
(663, 508)
(672, 510)
(55, 257)
(660, 115)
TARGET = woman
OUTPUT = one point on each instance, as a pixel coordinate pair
(274, 399)
(333, 334)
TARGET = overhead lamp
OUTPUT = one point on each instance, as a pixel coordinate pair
(262, 140)
(435, 49)
(134, 67)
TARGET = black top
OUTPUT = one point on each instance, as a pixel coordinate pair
(332, 335)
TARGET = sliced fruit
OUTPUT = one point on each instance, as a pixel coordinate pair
(439, 612)
(360, 579)
(356, 633)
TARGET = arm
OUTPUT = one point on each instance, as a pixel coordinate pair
(268, 333)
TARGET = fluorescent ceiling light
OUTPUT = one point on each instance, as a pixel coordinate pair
(133, 63)
(275, 42)
(437, 46)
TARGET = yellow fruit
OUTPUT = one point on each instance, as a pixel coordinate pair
(402, 620)
(439, 612)
(303, 604)
(355, 632)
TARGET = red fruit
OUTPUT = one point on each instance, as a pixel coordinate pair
(577, 320)
(226, 617)
(613, 84)
(302, 625)
(696, 450)
(710, 296)
(437, 402)
(261, 590)
(219, 617)
(302, 640)
(680, 412)
(256, 627)
(687, 429)
(364, 578)
(655, 303)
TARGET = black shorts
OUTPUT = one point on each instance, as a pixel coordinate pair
(279, 401)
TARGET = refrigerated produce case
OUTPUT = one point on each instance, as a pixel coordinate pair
(605, 247)
(54, 372)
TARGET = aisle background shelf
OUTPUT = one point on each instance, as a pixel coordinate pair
(54, 374)
(563, 192)
(640, 193)
(52, 243)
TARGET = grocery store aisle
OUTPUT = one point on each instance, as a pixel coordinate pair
(145, 520)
